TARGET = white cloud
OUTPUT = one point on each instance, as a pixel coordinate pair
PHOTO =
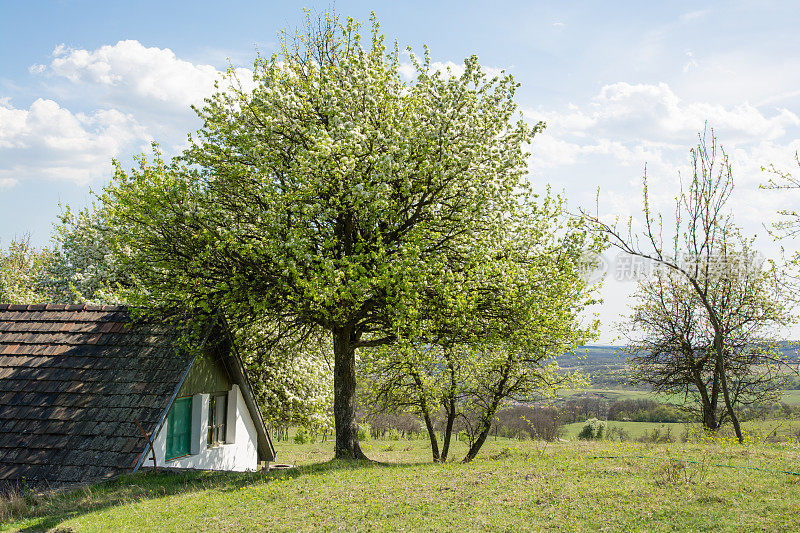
(448, 67)
(7, 182)
(606, 140)
(644, 114)
(129, 67)
(649, 111)
(740, 75)
(609, 139)
(550, 151)
(407, 70)
(779, 98)
(48, 141)
(133, 93)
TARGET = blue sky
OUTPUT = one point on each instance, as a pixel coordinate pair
(620, 84)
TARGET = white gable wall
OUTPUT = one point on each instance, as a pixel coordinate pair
(240, 455)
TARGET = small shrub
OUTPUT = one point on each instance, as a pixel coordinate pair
(364, 432)
(463, 436)
(394, 434)
(656, 435)
(593, 429)
(303, 436)
(523, 422)
(618, 433)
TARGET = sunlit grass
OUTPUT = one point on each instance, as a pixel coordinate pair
(512, 486)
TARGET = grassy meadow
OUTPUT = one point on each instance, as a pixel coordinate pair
(512, 486)
(635, 430)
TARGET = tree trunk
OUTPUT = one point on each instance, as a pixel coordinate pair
(426, 415)
(723, 381)
(715, 396)
(709, 418)
(491, 411)
(344, 396)
(719, 357)
(729, 405)
(448, 429)
(449, 407)
(432, 435)
(476, 446)
(709, 407)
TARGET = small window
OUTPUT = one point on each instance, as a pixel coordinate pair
(179, 428)
(217, 415)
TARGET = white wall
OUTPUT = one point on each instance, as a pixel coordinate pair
(240, 455)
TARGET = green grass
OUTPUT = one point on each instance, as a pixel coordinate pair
(634, 429)
(791, 397)
(512, 486)
(788, 429)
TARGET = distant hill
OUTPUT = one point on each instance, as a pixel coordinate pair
(594, 355)
(607, 365)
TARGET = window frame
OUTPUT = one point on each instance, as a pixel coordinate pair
(217, 431)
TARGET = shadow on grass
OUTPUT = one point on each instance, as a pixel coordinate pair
(52, 509)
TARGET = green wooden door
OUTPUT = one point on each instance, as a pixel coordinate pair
(179, 428)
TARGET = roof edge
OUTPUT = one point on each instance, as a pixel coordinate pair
(164, 413)
(63, 307)
(266, 449)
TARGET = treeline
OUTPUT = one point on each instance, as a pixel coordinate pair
(520, 421)
(535, 422)
(546, 422)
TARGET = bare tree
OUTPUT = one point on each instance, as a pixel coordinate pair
(709, 315)
(671, 341)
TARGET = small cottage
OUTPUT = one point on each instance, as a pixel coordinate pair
(86, 394)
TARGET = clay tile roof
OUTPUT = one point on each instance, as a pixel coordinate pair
(72, 379)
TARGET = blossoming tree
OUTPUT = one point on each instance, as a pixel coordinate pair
(330, 196)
